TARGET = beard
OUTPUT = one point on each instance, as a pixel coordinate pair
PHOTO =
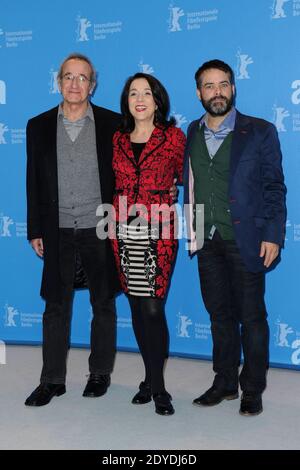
(218, 106)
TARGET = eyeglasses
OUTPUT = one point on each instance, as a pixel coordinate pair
(82, 79)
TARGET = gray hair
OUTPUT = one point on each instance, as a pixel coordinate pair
(78, 56)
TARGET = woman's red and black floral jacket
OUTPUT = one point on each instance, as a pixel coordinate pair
(148, 181)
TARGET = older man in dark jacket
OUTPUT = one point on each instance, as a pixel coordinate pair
(69, 174)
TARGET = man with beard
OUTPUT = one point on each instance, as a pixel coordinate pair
(233, 167)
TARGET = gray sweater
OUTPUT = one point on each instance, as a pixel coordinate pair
(78, 175)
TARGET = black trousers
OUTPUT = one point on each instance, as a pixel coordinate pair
(234, 299)
(57, 315)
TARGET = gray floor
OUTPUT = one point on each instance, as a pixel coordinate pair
(112, 422)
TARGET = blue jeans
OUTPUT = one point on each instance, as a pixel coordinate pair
(234, 299)
(57, 315)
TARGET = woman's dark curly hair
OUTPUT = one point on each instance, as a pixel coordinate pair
(160, 97)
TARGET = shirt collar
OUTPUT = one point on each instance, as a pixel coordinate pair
(89, 112)
(228, 122)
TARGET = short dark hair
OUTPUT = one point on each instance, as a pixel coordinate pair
(214, 64)
(160, 97)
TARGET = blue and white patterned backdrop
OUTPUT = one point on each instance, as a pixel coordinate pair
(170, 39)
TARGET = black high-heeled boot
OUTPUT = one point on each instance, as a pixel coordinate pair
(143, 395)
(163, 405)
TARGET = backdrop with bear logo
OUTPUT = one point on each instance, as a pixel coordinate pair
(168, 39)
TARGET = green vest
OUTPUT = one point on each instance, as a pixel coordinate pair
(211, 179)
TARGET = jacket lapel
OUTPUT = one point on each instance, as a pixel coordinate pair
(51, 145)
(157, 139)
(186, 163)
(241, 134)
(190, 136)
(125, 147)
(99, 136)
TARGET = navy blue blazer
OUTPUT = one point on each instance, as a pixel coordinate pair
(256, 191)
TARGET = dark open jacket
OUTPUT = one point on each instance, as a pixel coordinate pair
(42, 188)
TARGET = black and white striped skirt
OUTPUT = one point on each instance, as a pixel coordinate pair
(138, 258)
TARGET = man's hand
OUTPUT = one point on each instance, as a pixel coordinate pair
(173, 190)
(37, 245)
(269, 251)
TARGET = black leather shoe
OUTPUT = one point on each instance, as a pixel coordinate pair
(251, 404)
(163, 405)
(44, 393)
(143, 395)
(97, 385)
(215, 395)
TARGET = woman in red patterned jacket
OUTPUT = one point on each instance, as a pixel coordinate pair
(148, 155)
